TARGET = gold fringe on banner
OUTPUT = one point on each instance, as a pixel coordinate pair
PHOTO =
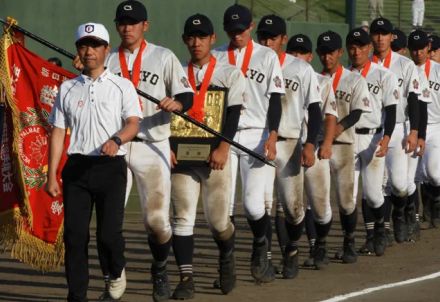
(10, 228)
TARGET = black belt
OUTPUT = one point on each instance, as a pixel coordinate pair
(281, 139)
(137, 139)
(368, 130)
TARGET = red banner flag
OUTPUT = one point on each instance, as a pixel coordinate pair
(32, 220)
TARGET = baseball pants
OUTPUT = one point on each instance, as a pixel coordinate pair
(431, 157)
(418, 12)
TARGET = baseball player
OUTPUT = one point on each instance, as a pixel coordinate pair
(418, 44)
(418, 13)
(156, 71)
(302, 94)
(374, 129)
(353, 99)
(434, 50)
(401, 159)
(301, 47)
(399, 42)
(257, 128)
(213, 181)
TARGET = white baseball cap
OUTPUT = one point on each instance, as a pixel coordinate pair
(92, 30)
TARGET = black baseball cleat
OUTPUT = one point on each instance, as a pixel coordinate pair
(380, 239)
(399, 225)
(310, 262)
(368, 247)
(320, 257)
(390, 237)
(349, 255)
(412, 224)
(261, 269)
(161, 287)
(227, 274)
(185, 289)
(290, 264)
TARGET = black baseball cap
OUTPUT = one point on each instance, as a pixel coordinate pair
(198, 24)
(237, 18)
(399, 40)
(300, 43)
(418, 39)
(271, 25)
(357, 36)
(328, 41)
(435, 42)
(131, 9)
(381, 26)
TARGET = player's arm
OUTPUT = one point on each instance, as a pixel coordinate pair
(423, 121)
(181, 102)
(56, 147)
(414, 120)
(313, 127)
(273, 118)
(325, 150)
(389, 124)
(126, 134)
(348, 121)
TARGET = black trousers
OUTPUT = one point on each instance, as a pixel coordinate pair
(89, 181)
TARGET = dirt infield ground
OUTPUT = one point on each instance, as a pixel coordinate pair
(18, 282)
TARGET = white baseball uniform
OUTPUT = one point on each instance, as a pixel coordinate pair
(148, 158)
(264, 77)
(214, 185)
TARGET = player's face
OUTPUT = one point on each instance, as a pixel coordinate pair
(420, 56)
(240, 39)
(330, 60)
(308, 57)
(92, 54)
(358, 54)
(131, 33)
(381, 42)
(275, 43)
(199, 47)
(435, 55)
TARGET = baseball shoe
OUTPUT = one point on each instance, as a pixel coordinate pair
(320, 256)
(227, 274)
(412, 225)
(185, 289)
(349, 255)
(106, 294)
(117, 286)
(390, 237)
(310, 262)
(161, 287)
(399, 225)
(368, 247)
(290, 264)
(261, 268)
(380, 239)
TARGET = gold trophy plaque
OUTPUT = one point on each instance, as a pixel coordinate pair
(191, 144)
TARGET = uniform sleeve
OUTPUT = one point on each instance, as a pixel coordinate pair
(310, 87)
(425, 93)
(237, 87)
(57, 116)
(130, 102)
(412, 80)
(274, 75)
(390, 89)
(175, 78)
(360, 96)
(329, 104)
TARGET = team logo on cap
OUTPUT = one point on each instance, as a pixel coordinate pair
(269, 21)
(380, 22)
(197, 22)
(89, 28)
(128, 7)
(357, 34)
(416, 37)
(326, 38)
(300, 40)
(235, 17)
(394, 37)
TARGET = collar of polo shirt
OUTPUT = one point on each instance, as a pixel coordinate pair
(102, 77)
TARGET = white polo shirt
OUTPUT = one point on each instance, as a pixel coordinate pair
(94, 111)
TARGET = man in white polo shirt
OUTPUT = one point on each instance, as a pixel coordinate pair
(102, 112)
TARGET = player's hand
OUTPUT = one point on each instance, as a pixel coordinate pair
(308, 155)
(169, 105)
(110, 148)
(76, 63)
(383, 146)
(218, 158)
(325, 151)
(411, 141)
(270, 149)
(420, 149)
(173, 159)
(52, 187)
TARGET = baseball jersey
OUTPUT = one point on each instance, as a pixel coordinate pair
(224, 75)
(161, 75)
(407, 77)
(264, 77)
(94, 111)
(351, 93)
(432, 71)
(302, 89)
(384, 92)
